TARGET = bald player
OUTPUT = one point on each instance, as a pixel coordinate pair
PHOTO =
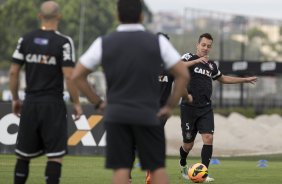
(49, 58)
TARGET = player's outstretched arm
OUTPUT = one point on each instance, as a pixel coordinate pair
(235, 80)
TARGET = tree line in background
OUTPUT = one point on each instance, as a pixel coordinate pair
(83, 20)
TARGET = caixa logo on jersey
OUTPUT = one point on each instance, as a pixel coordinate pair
(9, 125)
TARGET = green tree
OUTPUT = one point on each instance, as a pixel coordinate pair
(256, 33)
(18, 17)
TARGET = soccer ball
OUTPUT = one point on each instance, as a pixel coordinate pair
(197, 173)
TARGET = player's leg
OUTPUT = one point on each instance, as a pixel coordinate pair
(130, 175)
(159, 176)
(207, 149)
(189, 132)
(28, 142)
(21, 170)
(120, 176)
(184, 152)
(150, 142)
(148, 173)
(148, 177)
(206, 129)
(54, 135)
(53, 170)
(119, 151)
(206, 153)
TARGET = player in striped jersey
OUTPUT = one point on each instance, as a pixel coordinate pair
(48, 57)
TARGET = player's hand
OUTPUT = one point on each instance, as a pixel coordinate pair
(204, 59)
(188, 98)
(251, 80)
(102, 106)
(17, 107)
(164, 112)
(77, 111)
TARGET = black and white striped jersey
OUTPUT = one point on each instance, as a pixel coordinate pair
(200, 86)
(44, 53)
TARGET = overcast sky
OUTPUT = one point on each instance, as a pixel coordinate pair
(260, 8)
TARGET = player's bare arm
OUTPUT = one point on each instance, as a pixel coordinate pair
(235, 80)
(14, 85)
(73, 92)
(80, 79)
(181, 78)
(204, 60)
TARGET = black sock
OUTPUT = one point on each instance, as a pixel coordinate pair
(21, 171)
(53, 172)
(206, 154)
(183, 156)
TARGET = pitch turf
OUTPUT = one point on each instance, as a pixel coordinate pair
(90, 170)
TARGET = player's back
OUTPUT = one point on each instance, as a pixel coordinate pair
(132, 62)
(44, 53)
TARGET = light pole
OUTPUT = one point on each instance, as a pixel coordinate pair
(243, 32)
(221, 56)
(81, 27)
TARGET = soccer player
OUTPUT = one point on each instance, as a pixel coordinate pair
(198, 115)
(131, 58)
(166, 80)
(48, 57)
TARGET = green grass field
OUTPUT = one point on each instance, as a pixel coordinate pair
(90, 170)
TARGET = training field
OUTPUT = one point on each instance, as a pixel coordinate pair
(90, 170)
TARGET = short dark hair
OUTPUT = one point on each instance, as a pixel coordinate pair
(129, 11)
(205, 35)
(165, 35)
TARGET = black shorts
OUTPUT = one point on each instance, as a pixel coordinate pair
(124, 139)
(194, 120)
(42, 130)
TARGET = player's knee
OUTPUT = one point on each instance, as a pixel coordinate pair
(58, 160)
(207, 139)
(188, 146)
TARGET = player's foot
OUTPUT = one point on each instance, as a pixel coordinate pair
(148, 177)
(184, 171)
(130, 181)
(209, 179)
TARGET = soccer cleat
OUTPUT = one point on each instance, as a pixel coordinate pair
(184, 171)
(209, 179)
(148, 178)
(130, 181)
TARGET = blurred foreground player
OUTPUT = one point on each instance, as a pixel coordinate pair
(131, 58)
